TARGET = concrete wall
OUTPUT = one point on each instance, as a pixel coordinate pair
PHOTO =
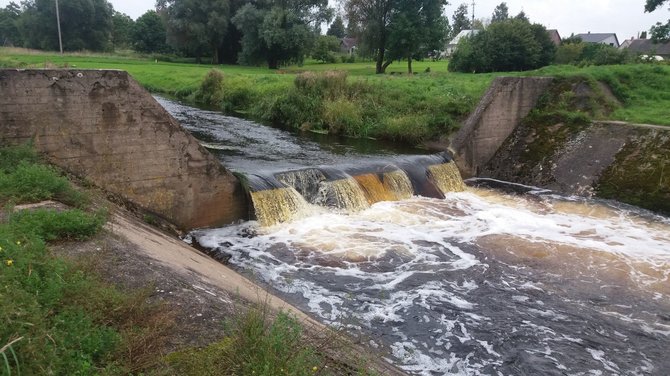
(102, 126)
(507, 101)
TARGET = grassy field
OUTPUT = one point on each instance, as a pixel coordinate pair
(397, 106)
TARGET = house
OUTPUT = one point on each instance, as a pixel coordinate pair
(609, 39)
(451, 47)
(554, 36)
(649, 48)
(625, 44)
(348, 45)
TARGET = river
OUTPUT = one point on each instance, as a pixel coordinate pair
(489, 279)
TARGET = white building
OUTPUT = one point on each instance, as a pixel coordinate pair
(451, 47)
(609, 39)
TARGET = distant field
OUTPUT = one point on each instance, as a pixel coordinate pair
(396, 106)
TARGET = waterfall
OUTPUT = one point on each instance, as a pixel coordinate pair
(285, 196)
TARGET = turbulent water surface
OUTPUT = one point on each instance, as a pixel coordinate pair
(482, 282)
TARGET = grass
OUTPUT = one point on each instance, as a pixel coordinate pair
(263, 345)
(57, 318)
(394, 106)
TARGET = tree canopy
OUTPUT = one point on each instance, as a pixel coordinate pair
(122, 30)
(9, 32)
(659, 32)
(85, 24)
(337, 29)
(279, 33)
(149, 34)
(510, 45)
(396, 29)
(500, 13)
(461, 21)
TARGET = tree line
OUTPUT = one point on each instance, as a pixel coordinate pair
(281, 32)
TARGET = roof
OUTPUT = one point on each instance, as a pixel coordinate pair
(647, 46)
(463, 34)
(596, 37)
(554, 36)
(348, 42)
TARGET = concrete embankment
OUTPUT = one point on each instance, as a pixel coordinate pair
(103, 127)
(565, 151)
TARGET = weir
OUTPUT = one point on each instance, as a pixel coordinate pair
(284, 196)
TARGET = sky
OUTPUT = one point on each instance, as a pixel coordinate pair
(626, 18)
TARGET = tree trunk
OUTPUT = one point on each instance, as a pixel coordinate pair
(215, 56)
(409, 65)
(380, 68)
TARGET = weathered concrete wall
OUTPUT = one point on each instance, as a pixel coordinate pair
(507, 101)
(626, 162)
(102, 126)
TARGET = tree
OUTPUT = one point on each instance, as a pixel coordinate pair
(85, 24)
(511, 45)
(279, 32)
(660, 33)
(122, 30)
(149, 34)
(417, 28)
(500, 13)
(337, 29)
(461, 20)
(196, 26)
(9, 32)
(371, 18)
(325, 47)
(522, 17)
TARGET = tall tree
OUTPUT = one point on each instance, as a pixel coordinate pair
(659, 32)
(85, 24)
(372, 19)
(522, 17)
(500, 13)
(9, 32)
(337, 29)
(122, 30)
(196, 26)
(279, 32)
(417, 28)
(149, 34)
(512, 45)
(461, 20)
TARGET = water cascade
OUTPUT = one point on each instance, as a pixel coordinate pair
(489, 279)
(280, 197)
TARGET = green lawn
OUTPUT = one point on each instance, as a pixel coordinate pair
(410, 108)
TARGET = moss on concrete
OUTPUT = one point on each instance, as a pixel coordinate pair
(640, 174)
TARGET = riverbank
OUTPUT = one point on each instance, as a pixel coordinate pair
(410, 109)
(96, 291)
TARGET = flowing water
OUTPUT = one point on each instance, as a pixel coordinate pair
(455, 279)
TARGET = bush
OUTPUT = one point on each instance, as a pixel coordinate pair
(211, 88)
(343, 117)
(511, 45)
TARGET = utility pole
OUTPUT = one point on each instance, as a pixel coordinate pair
(60, 40)
(473, 14)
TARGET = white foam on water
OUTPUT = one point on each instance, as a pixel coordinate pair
(375, 266)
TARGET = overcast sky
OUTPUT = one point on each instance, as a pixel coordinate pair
(623, 17)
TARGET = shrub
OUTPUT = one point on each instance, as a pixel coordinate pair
(328, 84)
(511, 45)
(211, 88)
(343, 117)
